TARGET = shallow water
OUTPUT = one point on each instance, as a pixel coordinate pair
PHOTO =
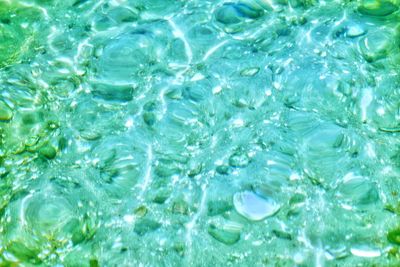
(199, 133)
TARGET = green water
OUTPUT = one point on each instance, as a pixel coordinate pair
(199, 133)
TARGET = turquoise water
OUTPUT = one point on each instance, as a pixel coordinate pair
(199, 133)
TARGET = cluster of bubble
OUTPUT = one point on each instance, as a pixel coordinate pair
(199, 133)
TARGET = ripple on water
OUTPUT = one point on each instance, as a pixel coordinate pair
(357, 191)
(377, 45)
(52, 217)
(212, 133)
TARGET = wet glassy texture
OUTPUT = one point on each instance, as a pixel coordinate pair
(199, 133)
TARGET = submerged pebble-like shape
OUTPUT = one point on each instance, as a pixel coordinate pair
(378, 8)
(253, 206)
(5, 112)
(199, 133)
